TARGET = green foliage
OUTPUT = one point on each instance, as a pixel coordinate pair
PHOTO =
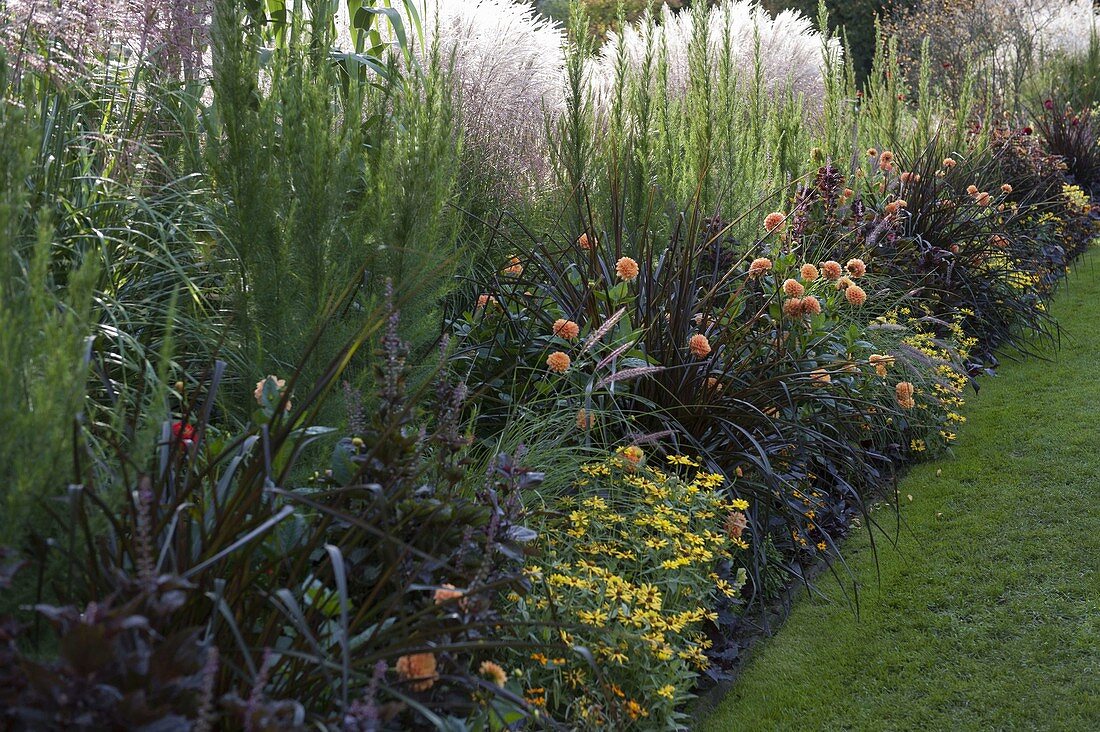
(324, 170)
(313, 594)
(44, 331)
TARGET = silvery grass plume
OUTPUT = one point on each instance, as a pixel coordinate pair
(37, 34)
(787, 48)
(1055, 26)
(508, 73)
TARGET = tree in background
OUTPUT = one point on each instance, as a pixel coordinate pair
(855, 18)
(603, 14)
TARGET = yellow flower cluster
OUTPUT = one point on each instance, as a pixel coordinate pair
(634, 569)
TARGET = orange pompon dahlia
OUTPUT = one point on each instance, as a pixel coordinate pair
(493, 672)
(808, 272)
(699, 346)
(736, 523)
(566, 329)
(759, 266)
(419, 669)
(886, 160)
(446, 593)
(626, 268)
(514, 268)
(773, 221)
(280, 384)
(844, 283)
(1006, 188)
(908, 178)
(832, 270)
(811, 305)
(880, 363)
(584, 242)
(983, 199)
(855, 295)
(904, 392)
(856, 268)
(484, 302)
(558, 362)
(872, 152)
(793, 288)
(949, 162)
(972, 189)
(820, 377)
(894, 206)
(632, 453)
(793, 308)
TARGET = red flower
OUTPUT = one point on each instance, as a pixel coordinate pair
(183, 432)
(1049, 104)
(1028, 130)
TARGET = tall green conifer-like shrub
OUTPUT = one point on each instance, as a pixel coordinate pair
(44, 324)
(325, 162)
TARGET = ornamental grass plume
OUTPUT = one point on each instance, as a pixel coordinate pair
(566, 329)
(558, 362)
(790, 49)
(419, 669)
(626, 269)
(508, 72)
(808, 273)
(699, 346)
(759, 266)
(904, 392)
(832, 270)
(172, 37)
(855, 295)
(793, 288)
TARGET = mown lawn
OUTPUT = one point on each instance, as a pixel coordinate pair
(987, 614)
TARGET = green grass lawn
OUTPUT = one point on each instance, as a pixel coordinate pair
(987, 614)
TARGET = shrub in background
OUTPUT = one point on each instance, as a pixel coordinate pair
(855, 21)
(1000, 44)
